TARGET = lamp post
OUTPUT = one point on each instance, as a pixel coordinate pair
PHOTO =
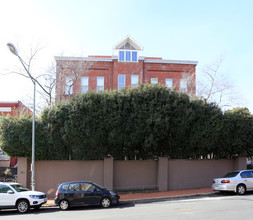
(15, 52)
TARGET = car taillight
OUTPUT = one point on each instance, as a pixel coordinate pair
(213, 182)
(225, 181)
(57, 192)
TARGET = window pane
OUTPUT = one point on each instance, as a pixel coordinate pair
(169, 83)
(74, 187)
(154, 80)
(128, 53)
(121, 81)
(64, 187)
(134, 56)
(84, 84)
(127, 46)
(100, 81)
(183, 85)
(134, 81)
(121, 56)
(69, 86)
(85, 186)
(100, 88)
(120, 87)
(85, 89)
(4, 189)
(85, 81)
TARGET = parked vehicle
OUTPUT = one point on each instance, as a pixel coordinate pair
(83, 193)
(237, 181)
(14, 195)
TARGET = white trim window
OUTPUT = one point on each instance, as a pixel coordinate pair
(134, 81)
(100, 83)
(84, 84)
(183, 85)
(121, 81)
(127, 56)
(69, 86)
(169, 83)
(134, 56)
(128, 53)
(154, 80)
(121, 55)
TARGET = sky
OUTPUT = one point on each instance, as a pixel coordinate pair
(197, 30)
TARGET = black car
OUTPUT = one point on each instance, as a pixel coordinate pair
(83, 193)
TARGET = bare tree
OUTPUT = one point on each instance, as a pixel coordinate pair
(213, 86)
(28, 61)
(49, 79)
(68, 73)
(190, 78)
(56, 73)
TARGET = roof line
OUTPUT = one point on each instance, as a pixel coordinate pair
(106, 59)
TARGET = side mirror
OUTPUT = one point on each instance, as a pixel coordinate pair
(10, 192)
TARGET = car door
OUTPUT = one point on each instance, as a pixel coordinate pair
(247, 177)
(74, 194)
(92, 194)
(6, 199)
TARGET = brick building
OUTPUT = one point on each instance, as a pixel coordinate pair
(125, 68)
(16, 108)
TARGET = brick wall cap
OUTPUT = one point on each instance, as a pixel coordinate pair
(105, 59)
(171, 61)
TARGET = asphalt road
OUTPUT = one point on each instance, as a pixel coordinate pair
(220, 207)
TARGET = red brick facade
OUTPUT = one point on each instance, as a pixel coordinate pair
(14, 108)
(110, 67)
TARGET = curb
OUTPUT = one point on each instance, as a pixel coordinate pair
(159, 199)
(169, 198)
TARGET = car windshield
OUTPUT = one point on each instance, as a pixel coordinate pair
(231, 174)
(19, 188)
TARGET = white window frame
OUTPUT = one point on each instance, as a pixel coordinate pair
(100, 83)
(120, 84)
(120, 57)
(169, 83)
(124, 57)
(136, 56)
(183, 85)
(84, 84)
(154, 80)
(69, 86)
(134, 81)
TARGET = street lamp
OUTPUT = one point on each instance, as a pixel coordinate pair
(15, 52)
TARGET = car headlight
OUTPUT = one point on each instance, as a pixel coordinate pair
(34, 197)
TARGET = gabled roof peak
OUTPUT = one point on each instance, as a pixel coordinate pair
(128, 42)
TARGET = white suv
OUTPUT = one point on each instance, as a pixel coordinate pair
(14, 195)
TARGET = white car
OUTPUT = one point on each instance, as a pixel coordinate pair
(238, 181)
(14, 195)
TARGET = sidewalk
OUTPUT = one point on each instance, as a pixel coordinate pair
(156, 196)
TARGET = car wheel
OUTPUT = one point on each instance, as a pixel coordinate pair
(64, 205)
(105, 202)
(241, 189)
(22, 206)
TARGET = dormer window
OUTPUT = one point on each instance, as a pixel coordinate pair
(127, 56)
(128, 50)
